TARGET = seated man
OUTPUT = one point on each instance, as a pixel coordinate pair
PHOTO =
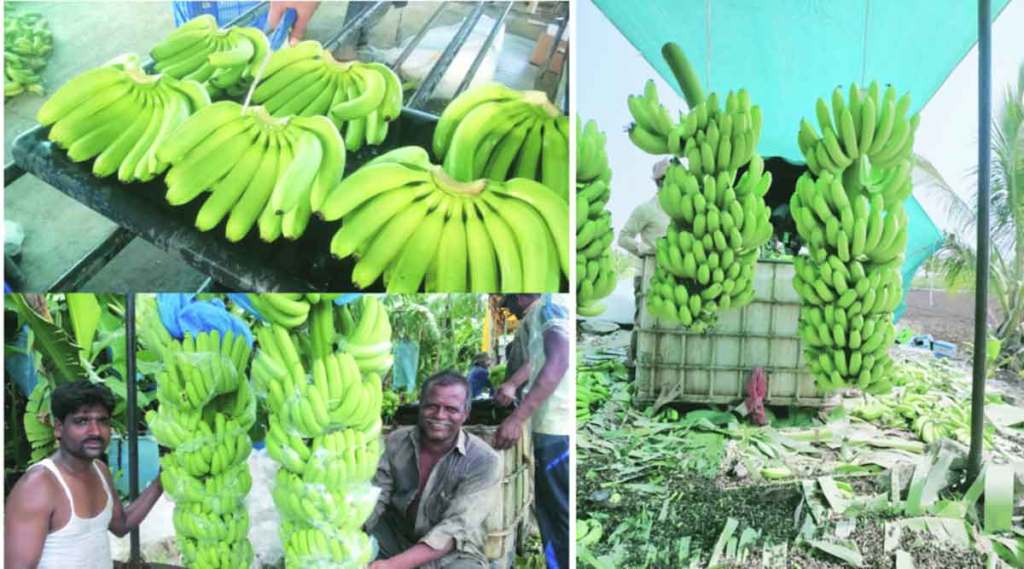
(59, 512)
(438, 483)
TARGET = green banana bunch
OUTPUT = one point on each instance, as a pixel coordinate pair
(361, 99)
(706, 260)
(595, 271)
(413, 225)
(316, 547)
(38, 423)
(118, 115)
(28, 44)
(224, 61)
(206, 410)
(325, 427)
(868, 129)
(849, 211)
(588, 532)
(592, 390)
(259, 170)
(368, 337)
(712, 139)
(495, 132)
(389, 404)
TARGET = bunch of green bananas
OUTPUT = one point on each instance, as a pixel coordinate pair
(706, 260)
(592, 390)
(206, 410)
(287, 309)
(224, 61)
(367, 335)
(196, 370)
(38, 422)
(305, 80)
(119, 115)
(390, 403)
(495, 132)
(207, 554)
(324, 548)
(27, 47)
(324, 428)
(849, 211)
(588, 532)
(413, 223)
(595, 271)
(257, 168)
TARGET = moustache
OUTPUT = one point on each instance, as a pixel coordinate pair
(98, 441)
(433, 423)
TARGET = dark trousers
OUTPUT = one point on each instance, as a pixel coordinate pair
(551, 481)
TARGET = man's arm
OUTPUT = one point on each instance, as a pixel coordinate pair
(556, 363)
(27, 520)
(125, 519)
(507, 391)
(628, 234)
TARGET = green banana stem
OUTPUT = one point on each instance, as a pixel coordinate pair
(540, 99)
(452, 186)
(684, 73)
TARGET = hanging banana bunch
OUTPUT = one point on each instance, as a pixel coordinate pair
(224, 61)
(413, 225)
(258, 169)
(305, 80)
(705, 262)
(118, 115)
(28, 44)
(494, 132)
(287, 309)
(325, 426)
(849, 210)
(595, 271)
(206, 410)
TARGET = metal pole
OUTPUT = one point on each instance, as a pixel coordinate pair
(133, 431)
(352, 26)
(245, 16)
(417, 38)
(498, 23)
(423, 92)
(981, 278)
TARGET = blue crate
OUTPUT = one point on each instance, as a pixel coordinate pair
(943, 349)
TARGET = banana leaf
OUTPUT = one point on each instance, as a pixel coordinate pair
(848, 553)
(60, 355)
(85, 311)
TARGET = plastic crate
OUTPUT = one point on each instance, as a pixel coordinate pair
(676, 365)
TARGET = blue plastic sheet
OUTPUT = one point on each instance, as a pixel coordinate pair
(407, 360)
(181, 314)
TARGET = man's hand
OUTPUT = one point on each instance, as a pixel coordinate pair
(506, 394)
(303, 12)
(509, 432)
(382, 564)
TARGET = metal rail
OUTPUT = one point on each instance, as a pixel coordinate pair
(426, 88)
(90, 263)
(352, 26)
(417, 38)
(483, 50)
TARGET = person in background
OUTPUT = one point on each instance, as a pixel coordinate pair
(548, 408)
(479, 376)
(438, 483)
(647, 221)
(224, 12)
(58, 514)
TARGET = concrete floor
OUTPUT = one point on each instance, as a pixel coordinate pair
(59, 230)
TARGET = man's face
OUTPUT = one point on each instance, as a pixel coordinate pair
(85, 433)
(442, 413)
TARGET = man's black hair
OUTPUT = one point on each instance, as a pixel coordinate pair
(447, 377)
(71, 397)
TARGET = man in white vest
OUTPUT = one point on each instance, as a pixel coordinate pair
(59, 512)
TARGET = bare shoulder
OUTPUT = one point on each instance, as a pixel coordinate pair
(34, 490)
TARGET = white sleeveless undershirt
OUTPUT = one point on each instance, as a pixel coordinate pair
(82, 543)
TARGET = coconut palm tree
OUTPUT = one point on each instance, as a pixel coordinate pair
(958, 256)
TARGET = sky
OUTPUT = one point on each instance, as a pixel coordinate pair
(610, 69)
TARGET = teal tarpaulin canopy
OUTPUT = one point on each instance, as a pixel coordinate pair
(787, 53)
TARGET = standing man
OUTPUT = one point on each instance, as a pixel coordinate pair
(647, 221)
(59, 512)
(438, 483)
(548, 409)
(479, 378)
